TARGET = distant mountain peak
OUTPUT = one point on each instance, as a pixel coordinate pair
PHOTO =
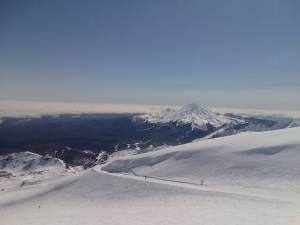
(198, 116)
(193, 107)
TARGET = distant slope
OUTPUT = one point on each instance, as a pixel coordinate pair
(23, 163)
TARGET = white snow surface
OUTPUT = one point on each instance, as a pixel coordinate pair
(252, 161)
(249, 178)
(22, 163)
(26, 169)
(198, 116)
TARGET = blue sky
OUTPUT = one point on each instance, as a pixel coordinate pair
(218, 53)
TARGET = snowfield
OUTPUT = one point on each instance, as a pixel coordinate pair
(249, 179)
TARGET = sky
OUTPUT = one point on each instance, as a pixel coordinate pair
(241, 54)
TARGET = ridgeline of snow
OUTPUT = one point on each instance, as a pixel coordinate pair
(22, 163)
(194, 114)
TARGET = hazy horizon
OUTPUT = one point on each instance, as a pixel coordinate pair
(39, 108)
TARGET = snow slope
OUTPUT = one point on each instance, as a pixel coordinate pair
(97, 198)
(249, 178)
(197, 115)
(22, 163)
(252, 162)
(27, 169)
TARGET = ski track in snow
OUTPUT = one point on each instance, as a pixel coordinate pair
(195, 186)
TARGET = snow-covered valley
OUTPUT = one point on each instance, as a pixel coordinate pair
(248, 178)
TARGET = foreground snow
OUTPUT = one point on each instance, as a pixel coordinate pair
(249, 178)
(96, 198)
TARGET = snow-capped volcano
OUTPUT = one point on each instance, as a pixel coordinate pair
(194, 114)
